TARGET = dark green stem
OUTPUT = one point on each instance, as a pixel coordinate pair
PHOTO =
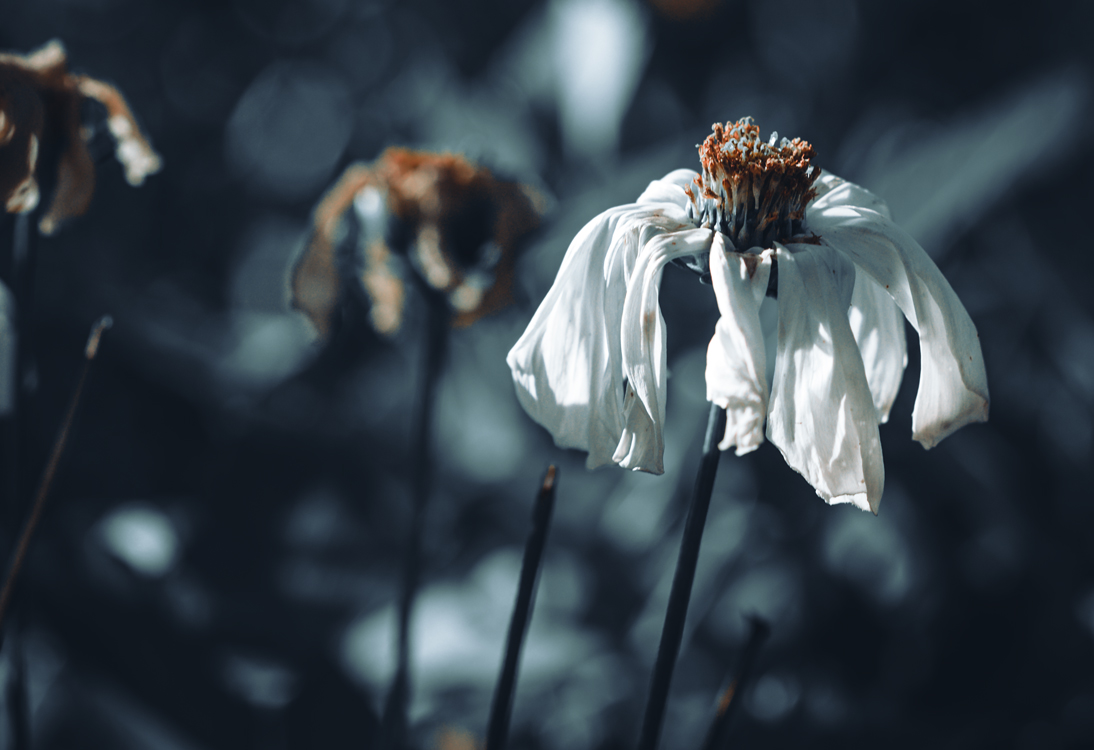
(21, 284)
(50, 472)
(436, 337)
(497, 728)
(673, 631)
(718, 735)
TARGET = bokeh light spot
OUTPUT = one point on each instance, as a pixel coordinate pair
(289, 129)
(143, 538)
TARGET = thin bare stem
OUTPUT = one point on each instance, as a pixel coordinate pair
(21, 279)
(50, 472)
(15, 693)
(673, 631)
(718, 735)
(21, 283)
(497, 728)
(436, 338)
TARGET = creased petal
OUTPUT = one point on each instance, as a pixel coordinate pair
(836, 191)
(736, 372)
(953, 386)
(878, 326)
(641, 443)
(822, 416)
(825, 183)
(567, 366)
(670, 188)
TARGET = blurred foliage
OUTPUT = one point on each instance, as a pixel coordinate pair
(219, 563)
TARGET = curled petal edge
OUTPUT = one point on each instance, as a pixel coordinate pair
(953, 385)
(669, 189)
(567, 365)
(641, 444)
(736, 368)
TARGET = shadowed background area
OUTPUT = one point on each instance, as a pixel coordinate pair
(219, 563)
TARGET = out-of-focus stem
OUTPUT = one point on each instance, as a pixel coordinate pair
(718, 735)
(21, 279)
(436, 337)
(21, 284)
(497, 728)
(673, 631)
(50, 472)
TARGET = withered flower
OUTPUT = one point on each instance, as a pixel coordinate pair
(40, 104)
(761, 219)
(453, 224)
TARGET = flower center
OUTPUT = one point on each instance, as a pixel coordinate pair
(752, 190)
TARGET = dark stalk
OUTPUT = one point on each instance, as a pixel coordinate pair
(21, 280)
(436, 337)
(673, 630)
(50, 472)
(21, 284)
(15, 693)
(718, 735)
(497, 728)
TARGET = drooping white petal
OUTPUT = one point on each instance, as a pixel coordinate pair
(736, 371)
(641, 443)
(953, 386)
(878, 326)
(670, 188)
(822, 416)
(836, 191)
(567, 366)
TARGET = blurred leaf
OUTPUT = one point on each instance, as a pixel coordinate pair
(942, 180)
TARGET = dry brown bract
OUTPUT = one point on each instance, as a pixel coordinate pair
(40, 105)
(457, 225)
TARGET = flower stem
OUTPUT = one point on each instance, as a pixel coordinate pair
(21, 284)
(436, 339)
(718, 735)
(50, 472)
(15, 692)
(673, 630)
(21, 280)
(497, 730)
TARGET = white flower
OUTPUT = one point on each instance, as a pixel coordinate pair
(591, 365)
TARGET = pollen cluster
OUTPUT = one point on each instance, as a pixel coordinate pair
(752, 190)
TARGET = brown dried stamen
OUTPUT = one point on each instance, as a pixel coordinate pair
(752, 190)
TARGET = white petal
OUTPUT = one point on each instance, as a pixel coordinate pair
(670, 188)
(736, 372)
(822, 416)
(878, 326)
(836, 191)
(641, 443)
(825, 183)
(567, 366)
(953, 386)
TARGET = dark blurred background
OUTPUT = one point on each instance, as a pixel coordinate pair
(218, 565)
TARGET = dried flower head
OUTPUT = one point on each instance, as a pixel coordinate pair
(752, 190)
(453, 223)
(40, 103)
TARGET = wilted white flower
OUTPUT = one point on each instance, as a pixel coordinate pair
(591, 365)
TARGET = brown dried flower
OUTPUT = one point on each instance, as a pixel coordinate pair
(40, 104)
(453, 738)
(456, 224)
